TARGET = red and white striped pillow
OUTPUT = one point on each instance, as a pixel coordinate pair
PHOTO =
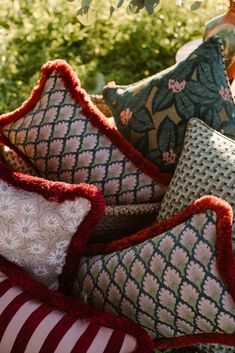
(35, 319)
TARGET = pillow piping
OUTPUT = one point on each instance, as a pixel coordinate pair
(56, 300)
(224, 257)
(72, 83)
(59, 192)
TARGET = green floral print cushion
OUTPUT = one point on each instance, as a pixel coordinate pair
(153, 113)
(66, 138)
(175, 279)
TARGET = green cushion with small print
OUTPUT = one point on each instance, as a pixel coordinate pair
(170, 278)
(153, 113)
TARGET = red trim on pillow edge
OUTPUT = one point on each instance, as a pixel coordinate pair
(224, 257)
(59, 301)
(58, 192)
(72, 83)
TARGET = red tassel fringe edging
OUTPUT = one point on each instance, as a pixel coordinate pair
(224, 257)
(72, 83)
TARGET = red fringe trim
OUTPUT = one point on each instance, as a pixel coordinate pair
(224, 257)
(80, 96)
(59, 192)
(18, 277)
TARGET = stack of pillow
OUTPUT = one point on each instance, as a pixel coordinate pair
(169, 285)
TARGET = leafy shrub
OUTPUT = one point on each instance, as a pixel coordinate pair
(123, 48)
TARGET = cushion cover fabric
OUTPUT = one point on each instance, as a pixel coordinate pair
(67, 138)
(35, 319)
(175, 279)
(44, 225)
(206, 166)
(153, 113)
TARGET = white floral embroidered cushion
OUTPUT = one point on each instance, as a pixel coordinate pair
(38, 220)
(35, 319)
(175, 279)
(66, 138)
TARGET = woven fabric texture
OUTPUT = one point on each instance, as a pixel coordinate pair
(206, 166)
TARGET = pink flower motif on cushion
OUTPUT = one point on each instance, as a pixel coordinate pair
(77, 128)
(103, 281)
(41, 165)
(50, 115)
(176, 86)
(33, 134)
(210, 232)
(166, 244)
(227, 323)
(208, 309)
(56, 98)
(157, 265)
(114, 295)
(212, 289)
(167, 299)
(21, 136)
(128, 309)
(98, 173)
(147, 305)
(131, 291)
(172, 279)
(49, 84)
(72, 144)
(202, 253)
(120, 275)
(68, 161)
(53, 163)
(189, 294)
(164, 330)
(44, 101)
(117, 156)
(89, 142)
(85, 159)
(128, 167)
(185, 312)
(203, 325)
(146, 252)
(65, 175)
(60, 129)
(165, 316)
(195, 274)
(184, 327)
(128, 259)
(169, 157)
(225, 94)
(111, 187)
(66, 112)
(138, 271)
(112, 264)
(45, 132)
(98, 298)
(41, 149)
(147, 322)
(125, 116)
(102, 156)
(127, 198)
(88, 284)
(228, 303)
(115, 170)
(129, 182)
(144, 194)
(150, 285)
(56, 147)
(188, 238)
(179, 258)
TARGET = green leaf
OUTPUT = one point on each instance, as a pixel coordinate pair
(141, 121)
(166, 135)
(184, 105)
(196, 5)
(163, 99)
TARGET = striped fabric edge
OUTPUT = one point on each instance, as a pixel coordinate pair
(34, 319)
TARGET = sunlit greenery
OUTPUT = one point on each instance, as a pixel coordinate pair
(124, 48)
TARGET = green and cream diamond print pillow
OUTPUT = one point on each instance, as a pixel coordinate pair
(66, 138)
(153, 113)
(175, 279)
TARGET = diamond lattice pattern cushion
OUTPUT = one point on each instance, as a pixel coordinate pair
(66, 138)
(37, 320)
(176, 279)
(44, 225)
(152, 114)
(206, 166)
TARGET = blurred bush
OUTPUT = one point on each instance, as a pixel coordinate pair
(123, 48)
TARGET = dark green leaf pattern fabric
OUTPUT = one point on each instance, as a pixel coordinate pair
(153, 113)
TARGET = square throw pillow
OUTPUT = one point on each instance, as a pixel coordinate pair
(67, 138)
(175, 278)
(44, 225)
(35, 319)
(206, 166)
(153, 113)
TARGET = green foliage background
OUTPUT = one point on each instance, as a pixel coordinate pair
(123, 48)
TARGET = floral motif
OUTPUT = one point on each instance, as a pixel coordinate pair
(125, 116)
(176, 86)
(169, 157)
(225, 94)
